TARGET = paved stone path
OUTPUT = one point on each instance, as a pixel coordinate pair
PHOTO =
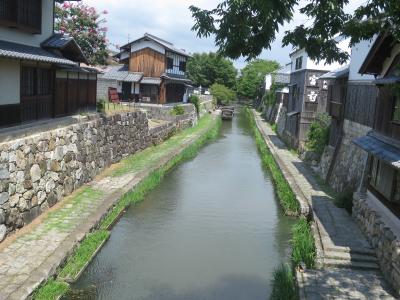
(347, 258)
(33, 255)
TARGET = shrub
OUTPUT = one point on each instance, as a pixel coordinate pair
(318, 134)
(101, 106)
(178, 110)
(284, 284)
(303, 246)
(222, 94)
(345, 200)
(195, 100)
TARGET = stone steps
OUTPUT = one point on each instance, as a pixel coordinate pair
(350, 257)
(352, 250)
(361, 265)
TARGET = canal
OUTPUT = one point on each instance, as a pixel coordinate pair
(212, 229)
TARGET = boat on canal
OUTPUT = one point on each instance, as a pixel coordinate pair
(227, 112)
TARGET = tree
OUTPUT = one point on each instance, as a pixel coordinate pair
(253, 75)
(245, 28)
(222, 94)
(206, 69)
(86, 26)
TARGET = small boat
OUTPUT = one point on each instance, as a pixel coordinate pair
(227, 112)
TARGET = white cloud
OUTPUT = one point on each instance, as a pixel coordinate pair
(171, 20)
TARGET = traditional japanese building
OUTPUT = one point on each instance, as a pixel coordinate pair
(304, 89)
(152, 70)
(377, 204)
(40, 73)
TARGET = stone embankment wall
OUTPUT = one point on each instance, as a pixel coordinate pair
(350, 161)
(381, 234)
(38, 170)
(165, 113)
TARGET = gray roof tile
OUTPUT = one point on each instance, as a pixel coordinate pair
(19, 51)
(121, 73)
(151, 80)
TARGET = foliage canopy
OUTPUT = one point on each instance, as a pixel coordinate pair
(205, 69)
(245, 28)
(222, 94)
(253, 75)
(85, 25)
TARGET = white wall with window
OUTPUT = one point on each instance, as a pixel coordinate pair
(22, 35)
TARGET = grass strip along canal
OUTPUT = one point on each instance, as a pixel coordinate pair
(257, 271)
(303, 244)
(184, 145)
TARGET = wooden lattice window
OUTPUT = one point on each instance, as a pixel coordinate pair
(396, 110)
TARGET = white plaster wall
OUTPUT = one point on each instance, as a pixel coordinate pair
(9, 81)
(321, 65)
(268, 82)
(358, 54)
(17, 36)
(147, 44)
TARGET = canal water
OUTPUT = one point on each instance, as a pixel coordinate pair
(211, 230)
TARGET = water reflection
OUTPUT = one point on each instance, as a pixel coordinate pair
(211, 230)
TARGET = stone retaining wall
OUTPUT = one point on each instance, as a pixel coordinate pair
(39, 170)
(165, 113)
(381, 235)
(350, 161)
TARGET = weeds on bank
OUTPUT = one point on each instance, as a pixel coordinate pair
(209, 128)
(52, 289)
(303, 245)
(285, 194)
(284, 284)
(83, 254)
(155, 177)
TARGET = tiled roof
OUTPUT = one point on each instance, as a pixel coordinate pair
(336, 74)
(378, 148)
(66, 45)
(162, 42)
(121, 73)
(19, 51)
(176, 78)
(151, 80)
(57, 41)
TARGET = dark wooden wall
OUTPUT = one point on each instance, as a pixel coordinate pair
(73, 94)
(360, 103)
(10, 114)
(384, 113)
(148, 61)
(175, 92)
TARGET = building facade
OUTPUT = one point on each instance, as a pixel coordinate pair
(351, 101)
(377, 204)
(152, 70)
(304, 91)
(40, 77)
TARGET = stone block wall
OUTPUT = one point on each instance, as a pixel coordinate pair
(102, 88)
(350, 161)
(382, 236)
(38, 170)
(165, 113)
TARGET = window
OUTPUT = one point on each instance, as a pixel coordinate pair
(170, 63)
(396, 110)
(25, 15)
(182, 66)
(36, 81)
(299, 63)
(382, 178)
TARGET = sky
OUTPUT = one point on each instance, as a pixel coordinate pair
(172, 21)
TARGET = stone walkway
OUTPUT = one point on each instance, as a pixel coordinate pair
(33, 255)
(345, 259)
